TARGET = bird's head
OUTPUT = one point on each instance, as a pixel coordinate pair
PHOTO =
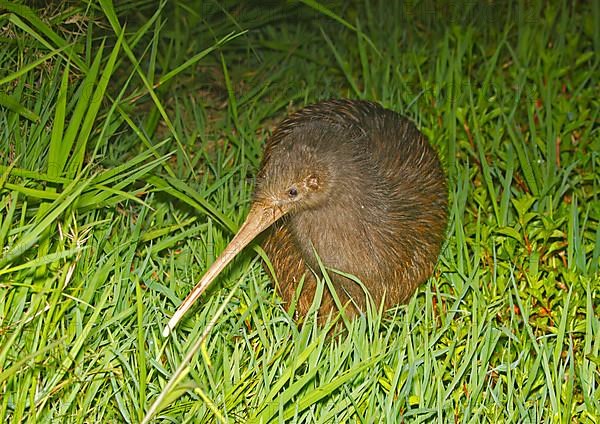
(295, 175)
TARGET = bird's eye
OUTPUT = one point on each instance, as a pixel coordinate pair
(293, 192)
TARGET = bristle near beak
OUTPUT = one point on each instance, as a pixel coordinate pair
(259, 218)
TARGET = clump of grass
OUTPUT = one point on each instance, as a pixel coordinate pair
(129, 138)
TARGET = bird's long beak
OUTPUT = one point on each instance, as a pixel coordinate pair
(259, 218)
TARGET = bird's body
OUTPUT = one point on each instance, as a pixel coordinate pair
(385, 214)
(360, 186)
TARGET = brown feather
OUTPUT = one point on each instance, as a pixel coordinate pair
(388, 227)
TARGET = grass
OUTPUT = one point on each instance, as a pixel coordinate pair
(129, 134)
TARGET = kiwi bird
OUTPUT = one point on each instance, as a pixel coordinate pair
(359, 186)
